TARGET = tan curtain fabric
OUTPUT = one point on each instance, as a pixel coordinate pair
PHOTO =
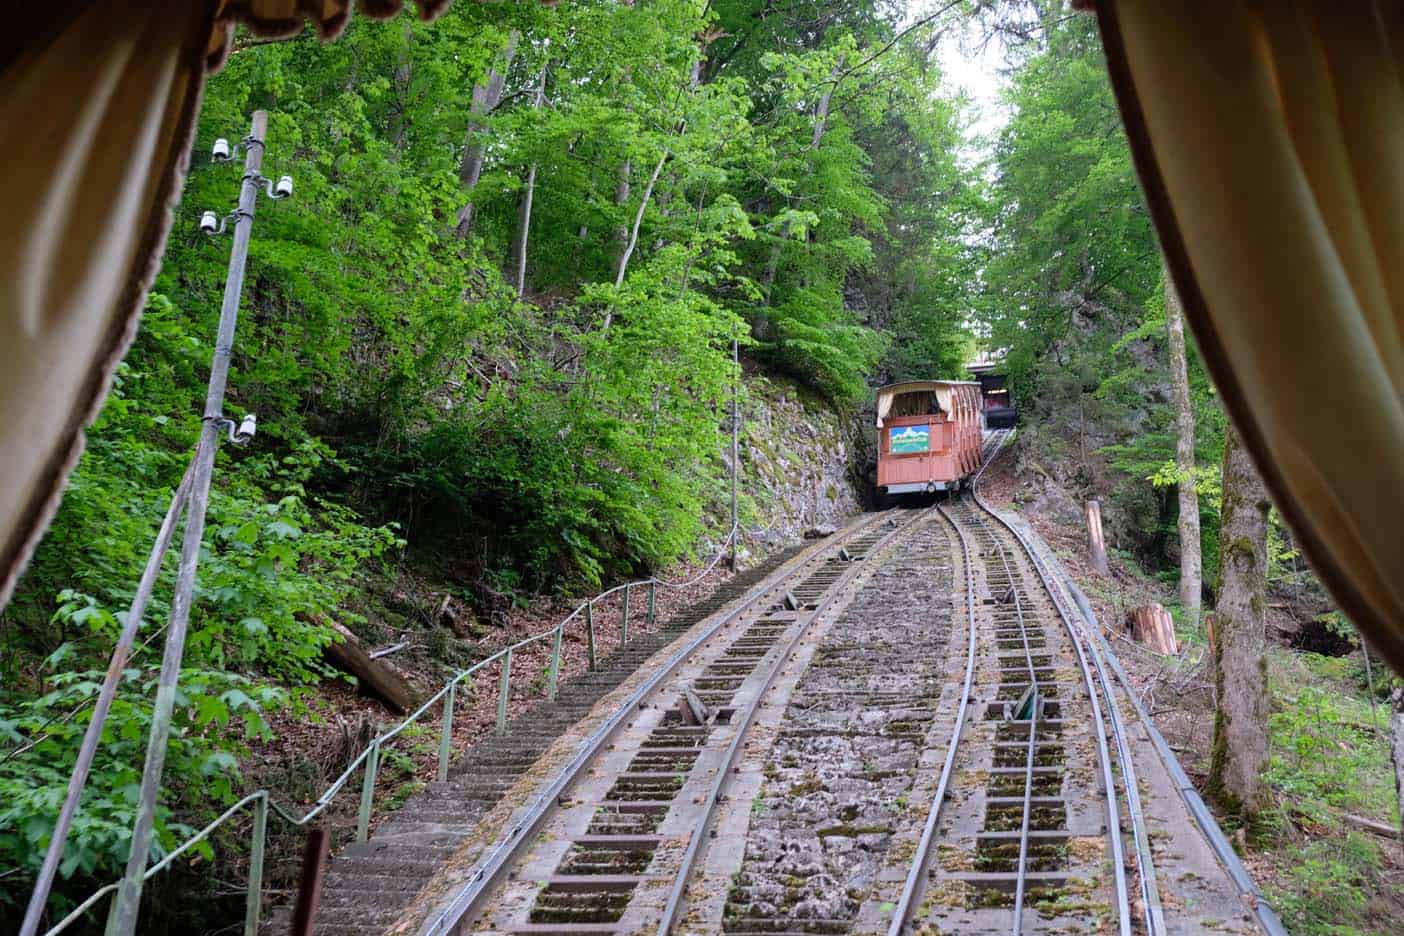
(1270, 140)
(95, 121)
(282, 19)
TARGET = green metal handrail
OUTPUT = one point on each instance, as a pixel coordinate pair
(368, 760)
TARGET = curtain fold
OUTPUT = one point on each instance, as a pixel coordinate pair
(95, 124)
(1269, 138)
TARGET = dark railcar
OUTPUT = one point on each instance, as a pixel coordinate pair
(995, 403)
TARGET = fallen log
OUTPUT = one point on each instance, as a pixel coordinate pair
(1382, 829)
(375, 677)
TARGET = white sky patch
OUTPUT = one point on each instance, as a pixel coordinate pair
(973, 67)
(970, 63)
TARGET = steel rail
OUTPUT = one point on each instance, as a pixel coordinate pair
(464, 902)
(1267, 918)
(928, 833)
(1021, 871)
(1145, 861)
(1154, 915)
(369, 756)
(1103, 751)
(912, 886)
(723, 774)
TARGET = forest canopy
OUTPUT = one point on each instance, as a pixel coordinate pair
(491, 340)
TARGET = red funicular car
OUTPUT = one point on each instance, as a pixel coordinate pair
(928, 435)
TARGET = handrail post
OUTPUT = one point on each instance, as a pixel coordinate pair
(502, 692)
(368, 792)
(652, 603)
(254, 902)
(590, 632)
(555, 678)
(446, 735)
(624, 618)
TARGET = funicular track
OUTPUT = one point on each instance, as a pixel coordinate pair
(611, 844)
(1025, 832)
(915, 642)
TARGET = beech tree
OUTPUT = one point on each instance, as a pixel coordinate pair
(1240, 752)
(1191, 565)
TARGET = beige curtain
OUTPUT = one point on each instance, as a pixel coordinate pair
(95, 122)
(1270, 140)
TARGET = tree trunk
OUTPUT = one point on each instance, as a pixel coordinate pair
(519, 249)
(486, 96)
(621, 198)
(1096, 542)
(1191, 565)
(1396, 747)
(821, 123)
(1240, 752)
(638, 220)
(633, 238)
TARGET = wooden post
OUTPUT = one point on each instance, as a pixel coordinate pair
(1096, 544)
(309, 885)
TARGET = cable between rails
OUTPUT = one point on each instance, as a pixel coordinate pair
(1104, 753)
(928, 832)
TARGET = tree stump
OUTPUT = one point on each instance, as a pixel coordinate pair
(1153, 626)
(1096, 543)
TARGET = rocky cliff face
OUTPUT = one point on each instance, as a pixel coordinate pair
(797, 464)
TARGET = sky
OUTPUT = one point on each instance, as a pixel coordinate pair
(973, 68)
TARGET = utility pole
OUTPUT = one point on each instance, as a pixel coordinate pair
(122, 919)
(735, 437)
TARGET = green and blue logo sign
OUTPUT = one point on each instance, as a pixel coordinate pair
(903, 440)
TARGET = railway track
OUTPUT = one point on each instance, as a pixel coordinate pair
(612, 844)
(1025, 831)
(903, 734)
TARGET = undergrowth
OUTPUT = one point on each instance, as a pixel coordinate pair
(1329, 757)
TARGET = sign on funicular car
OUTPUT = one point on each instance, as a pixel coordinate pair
(904, 440)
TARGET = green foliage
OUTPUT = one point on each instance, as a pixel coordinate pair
(215, 713)
(278, 562)
(1328, 757)
(1072, 239)
(1330, 885)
